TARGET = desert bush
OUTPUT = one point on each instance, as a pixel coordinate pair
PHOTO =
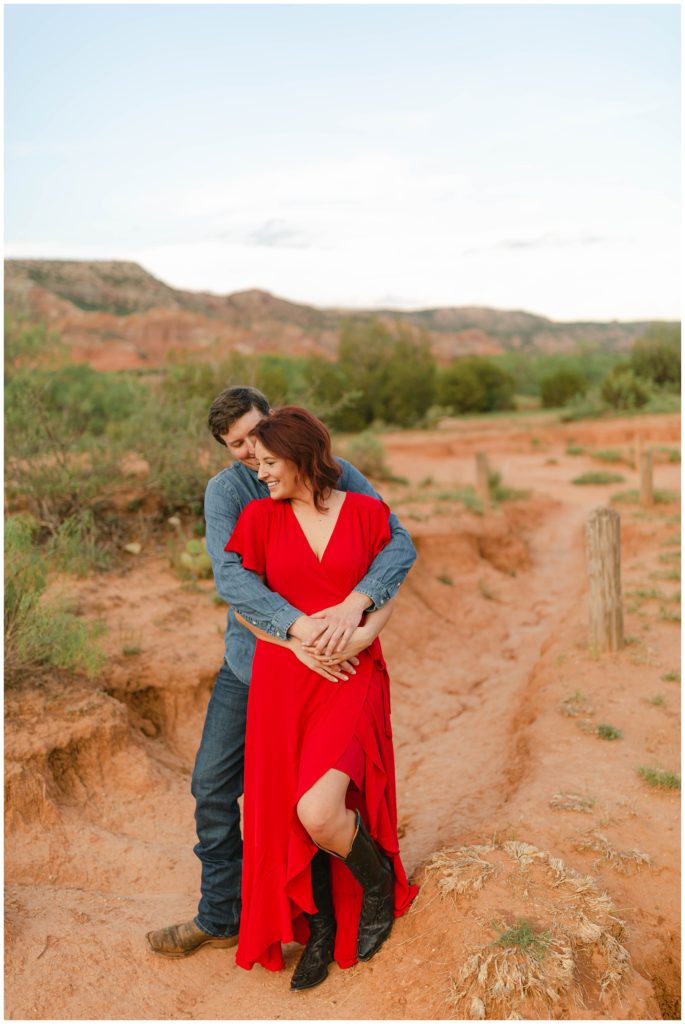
(77, 546)
(391, 368)
(367, 453)
(53, 470)
(583, 407)
(530, 368)
(40, 632)
(622, 389)
(655, 356)
(476, 384)
(171, 435)
(559, 387)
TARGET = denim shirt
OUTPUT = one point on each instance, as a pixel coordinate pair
(226, 496)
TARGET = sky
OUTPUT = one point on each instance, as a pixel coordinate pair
(405, 156)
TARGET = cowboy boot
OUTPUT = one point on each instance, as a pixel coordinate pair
(374, 872)
(312, 967)
(183, 939)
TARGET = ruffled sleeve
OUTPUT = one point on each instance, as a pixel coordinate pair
(249, 536)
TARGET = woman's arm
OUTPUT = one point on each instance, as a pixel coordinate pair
(340, 670)
(362, 637)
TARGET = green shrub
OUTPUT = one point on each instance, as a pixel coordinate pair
(77, 545)
(367, 453)
(392, 370)
(583, 407)
(656, 356)
(598, 476)
(607, 455)
(659, 778)
(558, 388)
(608, 732)
(501, 492)
(40, 632)
(476, 384)
(172, 436)
(622, 389)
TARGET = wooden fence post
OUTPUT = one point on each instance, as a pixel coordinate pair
(483, 479)
(605, 602)
(646, 478)
(637, 452)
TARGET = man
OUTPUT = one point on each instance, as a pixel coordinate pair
(218, 774)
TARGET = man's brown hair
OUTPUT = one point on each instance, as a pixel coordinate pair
(230, 405)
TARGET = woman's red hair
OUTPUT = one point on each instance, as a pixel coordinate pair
(293, 433)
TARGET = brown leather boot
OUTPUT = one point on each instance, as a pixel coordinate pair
(183, 939)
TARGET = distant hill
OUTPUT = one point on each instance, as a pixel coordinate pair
(115, 315)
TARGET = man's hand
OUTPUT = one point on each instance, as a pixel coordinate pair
(340, 622)
(307, 629)
(338, 673)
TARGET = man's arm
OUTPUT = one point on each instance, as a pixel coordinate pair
(334, 672)
(391, 565)
(380, 584)
(239, 587)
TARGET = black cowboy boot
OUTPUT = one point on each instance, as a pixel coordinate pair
(374, 872)
(312, 967)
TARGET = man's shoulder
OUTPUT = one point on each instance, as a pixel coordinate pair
(234, 480)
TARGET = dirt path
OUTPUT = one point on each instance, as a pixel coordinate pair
(488, 643)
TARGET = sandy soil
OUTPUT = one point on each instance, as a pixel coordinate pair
(511, 807)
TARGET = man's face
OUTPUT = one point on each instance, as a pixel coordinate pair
(239, 438)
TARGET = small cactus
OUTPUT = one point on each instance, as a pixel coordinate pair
(196, 560)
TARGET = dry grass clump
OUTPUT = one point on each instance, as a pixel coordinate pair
(461, 869)
(530, 971)
(624, 861)
(572, 802)
(577, 704)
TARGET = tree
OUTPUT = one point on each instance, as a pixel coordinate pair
(476, 384)
(656, 356)
(558, 388)
(622, 389)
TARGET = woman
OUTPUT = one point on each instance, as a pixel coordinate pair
(321, 861)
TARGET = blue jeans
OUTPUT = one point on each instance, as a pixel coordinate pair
(217, 784)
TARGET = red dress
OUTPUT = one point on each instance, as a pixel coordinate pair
(299, 725)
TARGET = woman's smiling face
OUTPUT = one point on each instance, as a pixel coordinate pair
(279, 474)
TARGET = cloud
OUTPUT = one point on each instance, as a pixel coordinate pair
(548, 240)
(277, 234)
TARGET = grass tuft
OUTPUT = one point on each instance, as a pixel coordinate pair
(659, 778)
(671, 677)
(609, 732)
(608, 455)
(598, 476)
(632, 497)
(522, 936)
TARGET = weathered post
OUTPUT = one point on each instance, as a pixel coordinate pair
(638, 449)
(483, 479)
(605, 602)
(646, 478)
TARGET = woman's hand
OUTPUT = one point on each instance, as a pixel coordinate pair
(361, 638)
(339, 623)
(338, 672)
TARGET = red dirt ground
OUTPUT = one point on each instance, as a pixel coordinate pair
(496, 699)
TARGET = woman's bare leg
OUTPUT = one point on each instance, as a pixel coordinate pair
(323, 813)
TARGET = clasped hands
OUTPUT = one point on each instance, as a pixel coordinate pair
(330, 640)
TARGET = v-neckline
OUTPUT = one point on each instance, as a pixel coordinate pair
(332, 534)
